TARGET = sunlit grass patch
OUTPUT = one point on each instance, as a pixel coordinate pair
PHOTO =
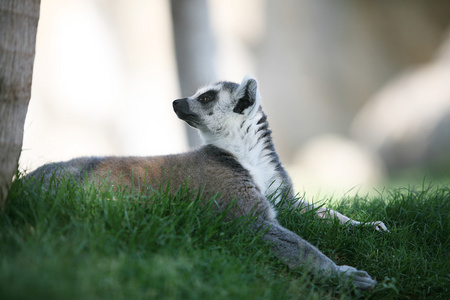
(70, 242)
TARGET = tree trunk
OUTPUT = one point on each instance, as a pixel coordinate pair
(18, 27)
(194, 48)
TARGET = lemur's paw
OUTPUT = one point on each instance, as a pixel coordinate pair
(360, 278)
(379, 226)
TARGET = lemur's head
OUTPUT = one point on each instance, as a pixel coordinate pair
(217, 109)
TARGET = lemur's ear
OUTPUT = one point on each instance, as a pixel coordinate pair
(247, 95)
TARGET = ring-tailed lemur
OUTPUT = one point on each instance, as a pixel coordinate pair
(239, 163)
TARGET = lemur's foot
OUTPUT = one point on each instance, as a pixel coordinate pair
(378, 225)
(361, 279)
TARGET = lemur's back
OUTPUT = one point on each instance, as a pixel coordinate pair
(209, 169)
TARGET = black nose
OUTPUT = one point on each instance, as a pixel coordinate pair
(180, 104)
(177, 103)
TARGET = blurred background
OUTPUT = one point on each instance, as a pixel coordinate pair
(357, 92)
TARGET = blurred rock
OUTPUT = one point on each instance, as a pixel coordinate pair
(333, 163)
(408, 122)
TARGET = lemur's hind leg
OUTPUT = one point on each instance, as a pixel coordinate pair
(326, 213)
(296, 252)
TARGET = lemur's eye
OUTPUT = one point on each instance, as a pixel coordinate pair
(207, 97)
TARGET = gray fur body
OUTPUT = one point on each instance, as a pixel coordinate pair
(238, 163)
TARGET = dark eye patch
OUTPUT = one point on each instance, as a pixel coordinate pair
(207, 96)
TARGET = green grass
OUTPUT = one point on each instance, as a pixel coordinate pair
(68, 242)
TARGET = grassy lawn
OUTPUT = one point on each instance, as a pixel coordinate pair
(72, 243)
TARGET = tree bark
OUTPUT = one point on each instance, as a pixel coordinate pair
(18, 27)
